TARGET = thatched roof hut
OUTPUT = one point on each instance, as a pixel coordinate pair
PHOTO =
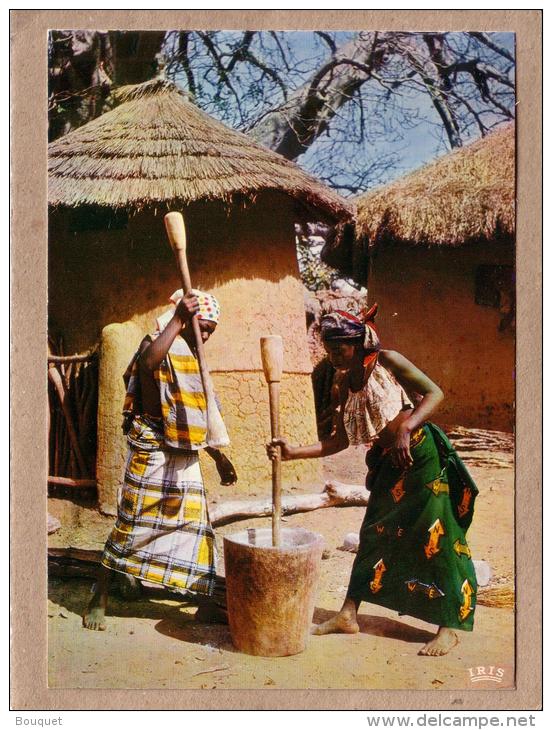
(463, 197)
(436, 250)
(156, 147)
(111, 269)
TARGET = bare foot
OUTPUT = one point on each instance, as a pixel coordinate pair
(342, 623)
(94, 618)
(443, 641)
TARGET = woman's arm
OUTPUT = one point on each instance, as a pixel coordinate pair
(152, 355)
(336, 442)
(412, 379)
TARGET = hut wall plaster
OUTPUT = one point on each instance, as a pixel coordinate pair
(118, 345)
(427, 311)
(247, 259)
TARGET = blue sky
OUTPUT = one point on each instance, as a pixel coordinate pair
(398, 139)
(420, 144)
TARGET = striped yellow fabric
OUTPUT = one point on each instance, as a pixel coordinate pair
(183, 402)
(184, 363)
(163, 534)
(191, 400)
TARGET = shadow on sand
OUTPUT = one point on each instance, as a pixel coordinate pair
(175, 615)
(381, 626)
(73, 595)
(193, 632)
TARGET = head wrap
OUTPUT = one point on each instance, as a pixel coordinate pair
(341, 325)
(209, 308)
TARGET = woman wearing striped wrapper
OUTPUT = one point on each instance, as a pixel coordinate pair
(163, 534)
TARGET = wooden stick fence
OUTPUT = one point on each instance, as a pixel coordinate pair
(73, 402)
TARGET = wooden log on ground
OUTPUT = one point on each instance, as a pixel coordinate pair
(69, 482)
(63, 567)
(75, 562)
(500, 596)
(72, 553)
(335, 494)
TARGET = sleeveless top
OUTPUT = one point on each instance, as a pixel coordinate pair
(368, 410)
(183, 402)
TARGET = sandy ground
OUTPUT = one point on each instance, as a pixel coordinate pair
(156, 643)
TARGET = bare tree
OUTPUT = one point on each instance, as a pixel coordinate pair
(83, 66)
(307, 113)
(320, 95)
(334, 100)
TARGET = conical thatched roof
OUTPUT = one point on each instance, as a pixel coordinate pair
(157, 147)
(465, 196)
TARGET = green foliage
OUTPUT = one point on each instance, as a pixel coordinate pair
(315, 274)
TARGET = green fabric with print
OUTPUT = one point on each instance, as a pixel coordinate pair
(413, 556)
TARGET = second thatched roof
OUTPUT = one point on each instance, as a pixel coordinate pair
(157, 147)
(465, 196)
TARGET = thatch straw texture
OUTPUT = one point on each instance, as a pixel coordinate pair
(497, 597)
(157, 147)
(467, 195)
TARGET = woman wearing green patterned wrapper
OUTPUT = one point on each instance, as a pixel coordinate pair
(413, 556)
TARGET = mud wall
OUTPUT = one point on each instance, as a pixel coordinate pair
(247, 258)
(427, 311)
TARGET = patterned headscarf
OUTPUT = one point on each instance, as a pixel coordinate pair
(209, 308)
(341, 325)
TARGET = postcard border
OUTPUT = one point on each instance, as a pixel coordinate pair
(28, 356)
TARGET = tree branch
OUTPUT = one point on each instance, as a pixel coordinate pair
(439, 102)
(248, 56)
(221, 70)
(183, 41)
(479, 71)
(334, 64)
(292, 128)
(241, 51)
(274, 35)
(482, 128)
(328, 40)
(486, 40)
